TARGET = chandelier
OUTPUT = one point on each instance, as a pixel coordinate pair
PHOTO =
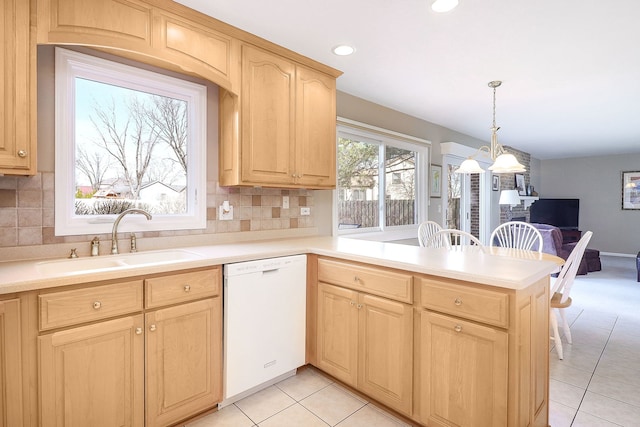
(503, 162)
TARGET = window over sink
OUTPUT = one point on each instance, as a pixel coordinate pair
(127, 137)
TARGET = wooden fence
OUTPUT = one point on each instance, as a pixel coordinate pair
(364, 213)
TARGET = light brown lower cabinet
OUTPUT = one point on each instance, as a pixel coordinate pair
(10, 364)
(93, 375)
(483, 354)
(367, 342)
(183, 360)
(464, 369)
(472, 355)
(154, 367)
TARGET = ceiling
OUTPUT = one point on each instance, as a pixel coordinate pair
(570, 69)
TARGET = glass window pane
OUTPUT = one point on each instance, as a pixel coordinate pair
(357, 184)
(127, 136)
(454, 192)
(400, 190)
(131, 150)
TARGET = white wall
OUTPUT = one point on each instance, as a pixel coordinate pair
(596, 181)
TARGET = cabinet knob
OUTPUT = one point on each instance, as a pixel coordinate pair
(22, 154)
(359, 306)
(352, 303)
(187, 288)
(356, 279)
(138, 331)
(152, 328)
(97, 305)
(457, 301)
(457, 328)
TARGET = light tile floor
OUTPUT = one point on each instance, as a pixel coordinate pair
(308, 399)
(597, 383)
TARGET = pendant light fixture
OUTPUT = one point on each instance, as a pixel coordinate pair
(503, 162)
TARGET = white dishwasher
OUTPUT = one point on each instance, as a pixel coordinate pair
(264, 323)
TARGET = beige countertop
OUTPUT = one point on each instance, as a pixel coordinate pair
(493, 268)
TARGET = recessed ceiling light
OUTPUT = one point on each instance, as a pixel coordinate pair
(444, 5)
(343, 50)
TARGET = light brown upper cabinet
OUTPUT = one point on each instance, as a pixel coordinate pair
(159, 33)
(17, 90)
(281, 130)
(277, 108)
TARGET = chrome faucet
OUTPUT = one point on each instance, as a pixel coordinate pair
(114, 232)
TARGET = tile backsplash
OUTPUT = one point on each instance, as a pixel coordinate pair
(27, 211)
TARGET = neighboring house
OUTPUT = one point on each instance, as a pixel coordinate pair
(399, 184)
(107, 193)
(113, 190)
(158, 192)
(84, 189)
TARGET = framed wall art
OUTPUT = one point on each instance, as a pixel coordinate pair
(520, 185)
(435, 182)
(631, 190)
(495, 183)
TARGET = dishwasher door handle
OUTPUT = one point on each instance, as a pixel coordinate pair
(273, 270)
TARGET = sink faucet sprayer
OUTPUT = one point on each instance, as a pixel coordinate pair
(114, 232)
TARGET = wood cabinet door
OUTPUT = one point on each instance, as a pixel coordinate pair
(385, 362)
(184, 360)
(337, 332)
(10, 364)
(93, 375)
(315, 164)
(126, 24)
(194, 46)
(463, 373)
(268, 114)
(530, 360)
(17, 90)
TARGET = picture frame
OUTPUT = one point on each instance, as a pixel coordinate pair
(631, 190)
(495, 183)
(435, 181)
(520, 185)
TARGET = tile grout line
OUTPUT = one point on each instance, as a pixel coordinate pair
(594, 369)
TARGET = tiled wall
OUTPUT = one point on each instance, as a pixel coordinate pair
(27, 211)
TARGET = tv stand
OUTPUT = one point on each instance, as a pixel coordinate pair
(570, 235)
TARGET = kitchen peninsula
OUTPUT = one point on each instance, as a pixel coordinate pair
(420, 321)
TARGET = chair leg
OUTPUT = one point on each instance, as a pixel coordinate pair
(553, 322)
(565, 326)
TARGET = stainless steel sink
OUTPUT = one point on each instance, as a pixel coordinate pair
(110, 262)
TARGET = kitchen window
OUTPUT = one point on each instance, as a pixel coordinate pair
(127, 137)
(381, 180)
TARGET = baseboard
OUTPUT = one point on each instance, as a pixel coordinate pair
(618, 255)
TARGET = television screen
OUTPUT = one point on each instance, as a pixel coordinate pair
(562, 213)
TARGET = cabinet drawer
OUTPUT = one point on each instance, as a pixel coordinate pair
(377, 281)
(181, 287)
(76, 306)
(465, 301)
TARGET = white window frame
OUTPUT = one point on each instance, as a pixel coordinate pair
(69, 66)
(367, 133)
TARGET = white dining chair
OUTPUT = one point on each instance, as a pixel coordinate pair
(427, 229)
(560, 299)
(517, 235)
(453, 239)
